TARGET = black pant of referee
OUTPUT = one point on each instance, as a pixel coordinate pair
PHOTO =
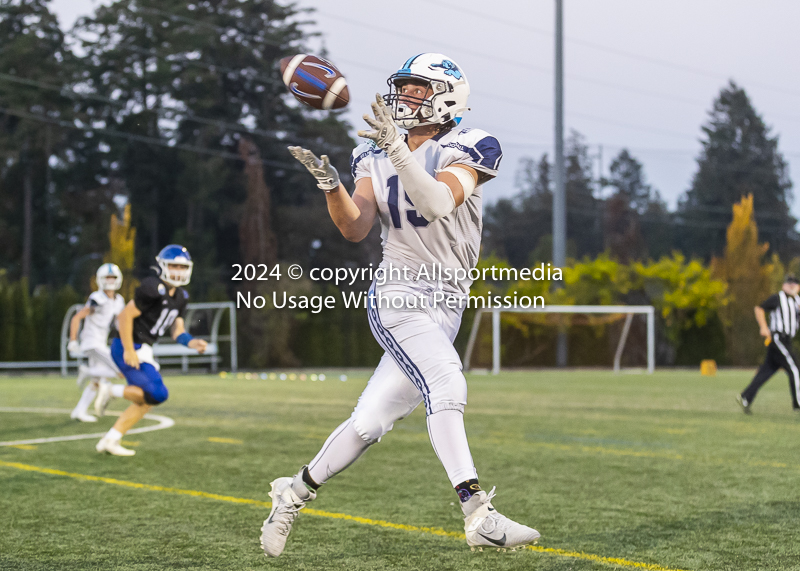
(779, 356)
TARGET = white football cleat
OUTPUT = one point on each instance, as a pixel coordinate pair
(83, 376)
(484, 527)
(289, 496)
(103, 398)
(113, 447)
(83, 417)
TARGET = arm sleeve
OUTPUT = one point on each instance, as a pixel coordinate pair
(772, 302)
(146, 294)
(433, 199)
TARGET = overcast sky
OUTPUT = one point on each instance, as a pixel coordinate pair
(639, 74)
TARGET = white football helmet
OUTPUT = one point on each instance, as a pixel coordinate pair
(449, 91)
(108, 277)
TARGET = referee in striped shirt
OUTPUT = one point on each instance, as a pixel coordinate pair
(783, 310)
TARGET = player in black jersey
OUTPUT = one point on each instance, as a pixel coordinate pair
(158, 306)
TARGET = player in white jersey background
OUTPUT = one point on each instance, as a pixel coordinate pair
(426, 190)
(98, 315)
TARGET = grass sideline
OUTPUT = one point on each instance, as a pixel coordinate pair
(616, 471)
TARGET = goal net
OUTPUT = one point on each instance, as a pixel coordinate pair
(612, 314)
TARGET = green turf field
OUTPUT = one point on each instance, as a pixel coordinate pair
(615, 471)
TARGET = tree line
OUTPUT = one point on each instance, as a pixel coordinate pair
(177, 111)
(175, 108)
(739, 156)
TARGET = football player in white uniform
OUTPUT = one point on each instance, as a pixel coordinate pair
(426, 190)
(98, 314)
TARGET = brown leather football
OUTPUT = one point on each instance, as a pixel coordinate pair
(315, 81)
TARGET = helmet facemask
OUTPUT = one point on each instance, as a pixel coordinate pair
(401, 104)
(111, 283)
(108, 277)
(180, 274)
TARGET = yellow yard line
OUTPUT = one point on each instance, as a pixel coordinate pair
(332, 515)
(225, 440)
(136, 485)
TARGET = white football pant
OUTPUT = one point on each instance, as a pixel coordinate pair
(420, 366)
(101, 366)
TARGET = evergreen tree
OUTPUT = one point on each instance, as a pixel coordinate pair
(626, 177)
(32, 52)
(195, 84)
(739, 157)
(513, 227)
(631, 199)
(658, 228)
(520, 229)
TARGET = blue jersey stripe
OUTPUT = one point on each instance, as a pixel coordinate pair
(401, 358)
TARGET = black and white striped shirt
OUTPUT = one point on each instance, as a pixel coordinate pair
(782, 309)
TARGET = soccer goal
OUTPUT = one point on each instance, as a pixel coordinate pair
(628, 310)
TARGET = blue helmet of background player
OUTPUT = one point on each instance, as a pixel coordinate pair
(175, 255)
(449, 91)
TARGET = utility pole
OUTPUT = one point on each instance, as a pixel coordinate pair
(560, 196)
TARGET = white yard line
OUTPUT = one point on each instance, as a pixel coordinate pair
(163, 422)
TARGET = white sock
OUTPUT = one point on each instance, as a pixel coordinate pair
(118, 391)
(89, 393)
(342, 448)
(114, 435)
(449, 440)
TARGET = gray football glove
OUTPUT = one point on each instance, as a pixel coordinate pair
(327, 176)
(384, 130)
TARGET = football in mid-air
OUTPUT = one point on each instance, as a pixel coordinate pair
(315, 81)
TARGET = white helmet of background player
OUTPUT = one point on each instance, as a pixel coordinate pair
(448, 85)
(175, 255)
(108, 277)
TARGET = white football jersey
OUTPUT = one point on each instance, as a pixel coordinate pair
(408, 239)
(97, 324)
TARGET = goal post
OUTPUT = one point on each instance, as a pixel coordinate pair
(628, 310)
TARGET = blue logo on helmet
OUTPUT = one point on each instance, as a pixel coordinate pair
(449, 68)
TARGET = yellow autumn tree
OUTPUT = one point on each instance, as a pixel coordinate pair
(751, 278)
(122, 239)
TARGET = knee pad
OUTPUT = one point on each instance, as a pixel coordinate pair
(446, 405)
(156, 395)
(369, 429)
